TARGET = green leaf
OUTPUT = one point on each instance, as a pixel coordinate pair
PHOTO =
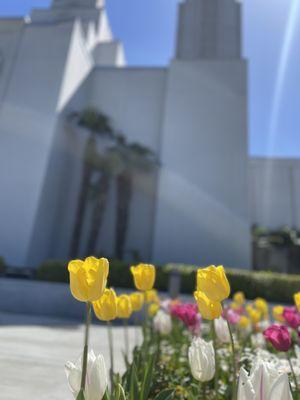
(106, 395)
(119, 393)
(167, 394)
(147, 380)
(134, 386)
(80, 395)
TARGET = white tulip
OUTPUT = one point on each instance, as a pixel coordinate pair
(162, 323)
(96, 377)
(258, 340)
(202, 360)
(222, 330)
(263, 383)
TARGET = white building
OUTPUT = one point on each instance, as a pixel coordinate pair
(192, 114)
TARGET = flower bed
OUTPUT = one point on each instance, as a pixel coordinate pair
(201, 350)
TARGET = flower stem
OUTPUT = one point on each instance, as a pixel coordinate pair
(126, 337)
(294, 375)
(214, 339)
(111, 353)
(86, 343)
(234, 386)
(145, 327)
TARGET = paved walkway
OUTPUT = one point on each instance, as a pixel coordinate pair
(33, 352)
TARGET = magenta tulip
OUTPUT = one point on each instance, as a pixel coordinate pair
(188, 314)
(292, 317)
(279, 336)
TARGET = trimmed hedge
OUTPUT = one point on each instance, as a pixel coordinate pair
(2, 265)
(272, 286)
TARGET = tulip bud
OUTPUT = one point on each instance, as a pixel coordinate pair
(208, 309)
(262, 306)
(106, 307)
(292, 317)
(222, 330)
(162, 323)
(144, 276)
(254, 315)
(279, 337)
(137, 301)
(202, 360)
(88, 278)
(297, 300)
(153, 309)
(278, 313)
(152, 296)
(124, 308)
(96, 377)
(212, 281)
(239, 298)
(244, 322)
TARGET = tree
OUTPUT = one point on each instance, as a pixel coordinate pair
(135, 158)
(97, 124)
(109, 166)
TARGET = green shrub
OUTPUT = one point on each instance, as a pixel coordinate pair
(53, 271)
(2, 265)
(57, 271)
(272, 286)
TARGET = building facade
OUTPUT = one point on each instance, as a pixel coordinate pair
(192, 114)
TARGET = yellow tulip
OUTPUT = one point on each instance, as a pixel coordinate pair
(278, 313)
(137, 301)
(208, 309)
(212, 281)
(106, 307)
(144, 276)
(153, 309)
(262, 306)
(239, 298)
(234, 306)
(152, 296)
(297, 300)
(254, 314)
(244, 322)
(124, 307)
(88, 278)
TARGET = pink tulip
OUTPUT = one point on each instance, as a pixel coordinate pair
(231, 316)
(292, 317)
(188, 314)
(279, 337)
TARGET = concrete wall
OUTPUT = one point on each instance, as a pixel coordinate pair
(202, 214)
(275, 192)
(27, 121)
(134, 100)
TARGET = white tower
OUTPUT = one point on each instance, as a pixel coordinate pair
(77, 3)
(202, 213)
(209, 29)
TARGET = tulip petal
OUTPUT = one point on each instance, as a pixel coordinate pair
(74, 377)
(245, 388)
(280, 389)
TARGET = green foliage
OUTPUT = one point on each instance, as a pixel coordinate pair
(2, 265)
(282, 237)
(272, 286)
(53, 271)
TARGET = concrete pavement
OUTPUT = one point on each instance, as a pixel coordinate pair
(34, 350)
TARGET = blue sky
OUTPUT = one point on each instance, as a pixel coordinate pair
(271, 42)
